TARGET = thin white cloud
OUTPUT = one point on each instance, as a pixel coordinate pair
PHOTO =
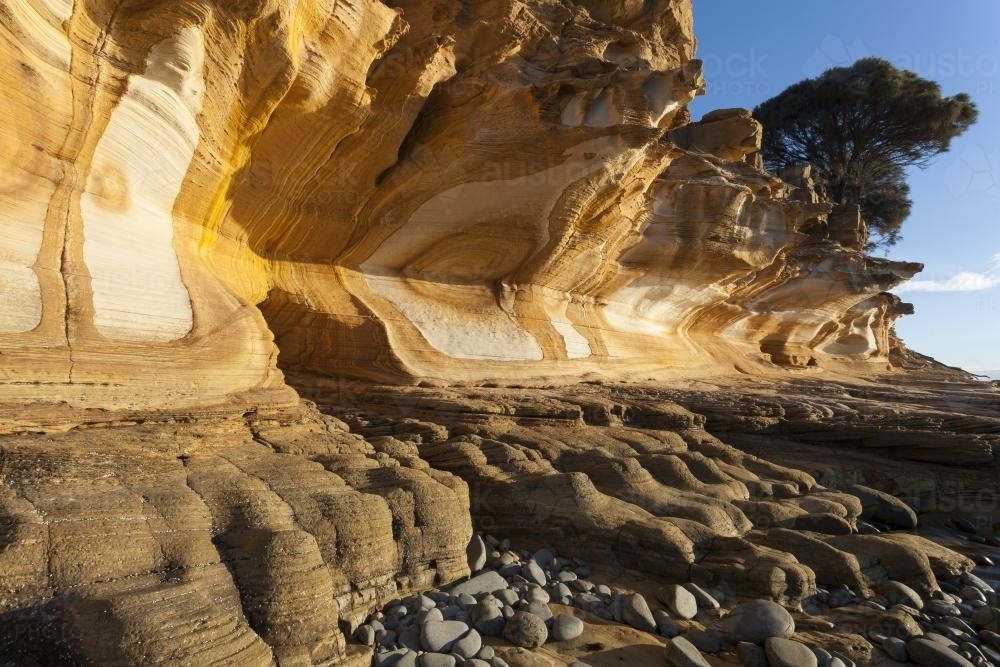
(965, 281)
(960, 282)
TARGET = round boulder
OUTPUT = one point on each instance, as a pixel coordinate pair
(440, 636)
(788, 653)
(682, 653)
(566, 627)
(537, 594)
(437, 660)
(476, 553)
(526, 630)
(899, 593)
(468, 646)
(533, 572)
(636, 613)
(679, 601)
(756, 621)
(881, 507)
(928, 653)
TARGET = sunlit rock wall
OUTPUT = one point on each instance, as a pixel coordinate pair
(203, 197)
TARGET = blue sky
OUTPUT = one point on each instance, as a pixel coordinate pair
(753, 51)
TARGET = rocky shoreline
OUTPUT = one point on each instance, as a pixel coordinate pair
(297, 297)
(272, 536)
(516, 599)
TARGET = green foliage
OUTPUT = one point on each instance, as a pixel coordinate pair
(860, 127)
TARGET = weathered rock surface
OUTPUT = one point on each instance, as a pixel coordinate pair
(248, 521)
(880, 506)
(526, 630)
(212, 209)
(391, 191)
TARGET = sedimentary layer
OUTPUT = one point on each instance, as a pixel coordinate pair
(432, 219)
(269, 536)
(212, 194)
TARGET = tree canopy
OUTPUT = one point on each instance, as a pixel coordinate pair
(860, 127)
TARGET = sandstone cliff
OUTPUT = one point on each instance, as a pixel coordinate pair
(403, 211)
(395, 190)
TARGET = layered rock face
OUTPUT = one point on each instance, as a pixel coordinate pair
(266, 539)
(207, 204)
(405, 190)
(207, 543)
